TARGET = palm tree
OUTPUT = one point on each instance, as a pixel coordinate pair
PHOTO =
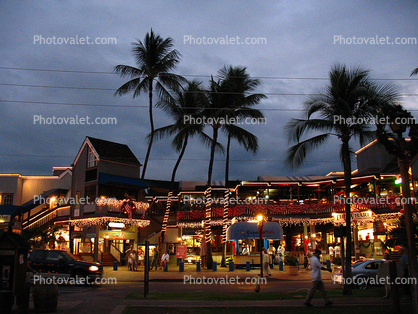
(154, 58)
(237, 88)
(349, 97)
(184, 108)
(215, 110)
(415, 72)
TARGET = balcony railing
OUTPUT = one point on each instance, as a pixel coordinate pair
(290, 209)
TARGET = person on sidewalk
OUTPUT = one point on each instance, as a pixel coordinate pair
(154, 259)
(316, 267)
(134, 261)
(266, 263)
(404, 260)
(164, 259)
(386, 257)
(141, 254)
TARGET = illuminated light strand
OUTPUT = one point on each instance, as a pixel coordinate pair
(167, 211)
(208, 205)
(102, 220)
(189, 224)
(118, 203)
(225, 216)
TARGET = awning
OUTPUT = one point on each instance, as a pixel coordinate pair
(106, 178)
(249, 230)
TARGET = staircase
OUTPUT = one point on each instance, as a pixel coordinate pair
(108, 259)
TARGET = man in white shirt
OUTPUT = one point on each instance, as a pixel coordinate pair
(165, 258)
(246, 250)
(316, 268)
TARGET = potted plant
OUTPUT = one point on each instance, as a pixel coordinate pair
(292, 261)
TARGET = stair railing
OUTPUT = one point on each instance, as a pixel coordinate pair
(115, 252)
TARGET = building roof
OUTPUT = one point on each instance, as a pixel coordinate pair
(110, 151)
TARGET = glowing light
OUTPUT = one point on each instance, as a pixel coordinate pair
(116, 224)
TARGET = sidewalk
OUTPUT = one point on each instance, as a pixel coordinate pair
(173, 274)
(112, 300)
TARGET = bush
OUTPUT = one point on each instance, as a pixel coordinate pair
(291, 260)
(337, 261)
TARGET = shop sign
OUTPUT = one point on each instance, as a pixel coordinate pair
(75, 235)
(118, 236)
(355, 216)
(361, 216)
(339, 218)
(4, 218)
(181, 251)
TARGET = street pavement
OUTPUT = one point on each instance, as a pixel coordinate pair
(111, 298)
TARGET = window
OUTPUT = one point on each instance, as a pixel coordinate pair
(39, 255)
(8, 199)
(91, 161)
(53, 256)
(372, 266)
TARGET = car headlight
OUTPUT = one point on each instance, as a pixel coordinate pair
(93, 268)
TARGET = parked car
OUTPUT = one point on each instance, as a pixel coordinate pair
(63, 263)
(362, 271)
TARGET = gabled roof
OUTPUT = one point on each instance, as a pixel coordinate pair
(109, 151)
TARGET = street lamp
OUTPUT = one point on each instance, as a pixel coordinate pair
(403, 161)
(260, 224)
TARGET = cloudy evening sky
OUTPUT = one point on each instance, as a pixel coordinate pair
(299, 42)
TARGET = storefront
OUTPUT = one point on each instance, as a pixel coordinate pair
(244, 236)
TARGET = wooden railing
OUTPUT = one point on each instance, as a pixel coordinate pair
(115, 252)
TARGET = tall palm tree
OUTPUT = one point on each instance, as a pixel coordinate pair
(350, 96)
(154, 58)
(184, 108)
(238, 99)
(215, 113)
(414, 72)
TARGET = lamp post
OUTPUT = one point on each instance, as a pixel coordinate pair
(403, 162)
(260, 225)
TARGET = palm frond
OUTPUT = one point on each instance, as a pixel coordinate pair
(297, 153)
(297, 127)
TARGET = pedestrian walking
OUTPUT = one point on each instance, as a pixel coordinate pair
(331, 253)
(386, 257)
(141, 254)
(317, 283)
(134, 260)
(266, 262)
(404, 260)
(154, 259)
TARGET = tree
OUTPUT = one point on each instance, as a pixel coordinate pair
(154, 58)
(341, 109)
(184, 108)
(239, 101)
(215, 110)
(414, 72)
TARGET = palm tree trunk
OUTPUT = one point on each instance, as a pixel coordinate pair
(151, 120)
(347, 183)
(227, 160)
(183, 149)
(212, 154)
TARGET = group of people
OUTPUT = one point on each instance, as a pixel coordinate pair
(135, 258)
(156, 261)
